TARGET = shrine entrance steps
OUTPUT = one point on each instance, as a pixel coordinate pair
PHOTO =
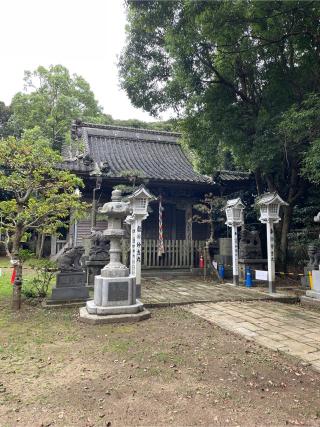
(167, 273)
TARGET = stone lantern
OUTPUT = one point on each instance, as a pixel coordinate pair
(269, 205)
(139, 201)
(234, 211)
(115, 289)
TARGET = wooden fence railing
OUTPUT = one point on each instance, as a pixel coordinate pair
(177, 253)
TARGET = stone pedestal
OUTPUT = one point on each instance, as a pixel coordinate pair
(305, 281)
(114, 301)
(114, 290)
(93, 269)
(70, 287)
(313, 295)
(315, 291)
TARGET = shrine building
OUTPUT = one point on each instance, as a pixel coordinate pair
(105, 156)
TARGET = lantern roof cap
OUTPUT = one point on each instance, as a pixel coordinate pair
(317, 217)
(141, 192)
(269, 198)
(235, 203)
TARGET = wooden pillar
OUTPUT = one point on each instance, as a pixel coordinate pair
(189, 247)
(174, 223)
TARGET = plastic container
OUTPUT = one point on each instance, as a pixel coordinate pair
(248, 277)
(221, 271)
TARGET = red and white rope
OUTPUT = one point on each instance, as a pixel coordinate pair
(161, 244)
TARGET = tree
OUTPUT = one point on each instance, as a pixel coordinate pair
(39, 194)
(232, 70)
(5, 113)
(209, 211)
(52, 99)
(168, 125)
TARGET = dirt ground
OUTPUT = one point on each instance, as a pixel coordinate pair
(174, 369)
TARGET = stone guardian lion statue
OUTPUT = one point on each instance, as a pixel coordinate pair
(70, 260)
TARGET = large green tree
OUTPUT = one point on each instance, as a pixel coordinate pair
(51, 100)
(5, 113)
(39, 195)
(235, 71)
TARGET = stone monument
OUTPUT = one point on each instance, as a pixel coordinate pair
(250, 253)
(313, 295)
(114, 289)
(98, 256)
(250, 244)
(313, 250)
(71, 279)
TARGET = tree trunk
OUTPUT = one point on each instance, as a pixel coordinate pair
(259, 182)
(17, 265)
(16, 289)
(287, 214)
(40, 244)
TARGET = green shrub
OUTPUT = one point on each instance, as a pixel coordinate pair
(26, 255)
(38, 285)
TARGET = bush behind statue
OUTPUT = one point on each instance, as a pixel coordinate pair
(37, 287)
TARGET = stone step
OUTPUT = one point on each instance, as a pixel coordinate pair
(166, 272)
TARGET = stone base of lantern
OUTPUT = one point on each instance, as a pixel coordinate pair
(114, 301)
(96, 319)
(114, 291)
(313, 295)
(121, 309)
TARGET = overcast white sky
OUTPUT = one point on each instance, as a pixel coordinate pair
(86, 36)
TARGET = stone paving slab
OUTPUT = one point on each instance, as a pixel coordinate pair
(290, 329)
(186, 290)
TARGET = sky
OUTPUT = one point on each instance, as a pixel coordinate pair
(86, 36)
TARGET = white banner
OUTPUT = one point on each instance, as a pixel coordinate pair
(261, 275)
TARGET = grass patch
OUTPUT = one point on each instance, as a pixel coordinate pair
(5, 285)
(118, 346)
(164, 357)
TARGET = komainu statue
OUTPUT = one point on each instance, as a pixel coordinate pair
(100, 245)
(70, 260)
(314, 256)
(250, 245)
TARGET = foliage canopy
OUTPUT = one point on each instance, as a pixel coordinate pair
(39, 195)
(52, 99)
(242, 75)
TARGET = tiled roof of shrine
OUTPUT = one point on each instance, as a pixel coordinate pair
(116, 151)
(226, 175)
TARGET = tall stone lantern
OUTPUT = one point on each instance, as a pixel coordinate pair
(269, 204)
(139, 201)
(115, 289)
(234, 211)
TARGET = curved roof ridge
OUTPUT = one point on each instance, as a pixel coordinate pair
(234, 171)
(126, 128)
